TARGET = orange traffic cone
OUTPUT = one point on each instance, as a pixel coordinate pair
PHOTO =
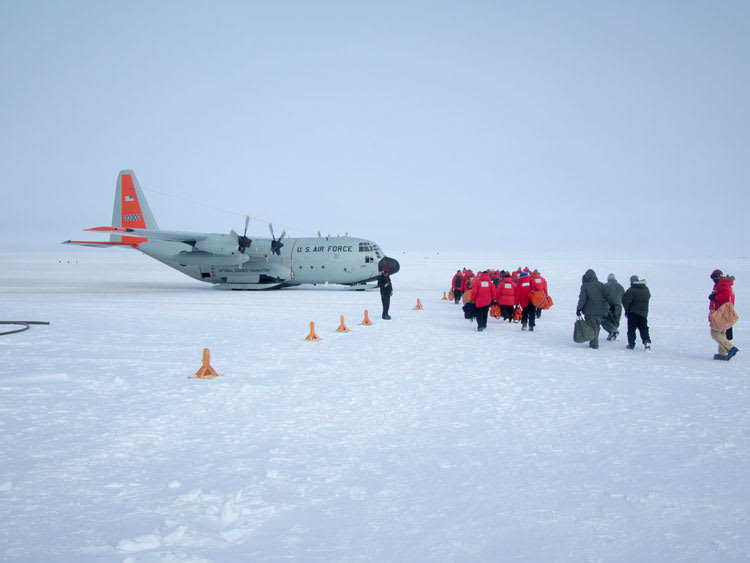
(342, 327)
(367, 320)
(419, 306)
(206, 371)
(445, 297)
(312, 335)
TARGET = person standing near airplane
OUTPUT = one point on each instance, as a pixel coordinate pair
(386, 290)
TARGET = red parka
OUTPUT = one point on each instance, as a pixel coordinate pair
(482, 290)
(722, 293)
(538, 283)
(524, 288)
(507, 292)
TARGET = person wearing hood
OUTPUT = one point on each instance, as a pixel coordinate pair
(635, 302)
(482, 292)
(386, 290)
(592, 302)
(722, 293)
(611, 320)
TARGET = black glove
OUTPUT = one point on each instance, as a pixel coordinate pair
(712, 297)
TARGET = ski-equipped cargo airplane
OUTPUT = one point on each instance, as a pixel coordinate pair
(235, 261)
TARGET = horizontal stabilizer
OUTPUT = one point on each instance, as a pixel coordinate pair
(100, 244)
(174, 236)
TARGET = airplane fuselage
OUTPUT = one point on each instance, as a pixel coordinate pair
(315, 260)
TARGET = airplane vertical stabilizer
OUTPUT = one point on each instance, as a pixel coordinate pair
(130, 208)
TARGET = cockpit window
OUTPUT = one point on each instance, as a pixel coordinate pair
(364, 247)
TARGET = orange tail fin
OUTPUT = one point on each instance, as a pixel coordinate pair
(130, 208)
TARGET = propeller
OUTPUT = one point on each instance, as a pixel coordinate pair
(242, 241)
(276, 243)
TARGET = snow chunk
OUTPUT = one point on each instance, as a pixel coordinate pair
(141, 543)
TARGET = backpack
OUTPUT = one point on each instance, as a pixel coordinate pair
(470, 311)
(495, 311)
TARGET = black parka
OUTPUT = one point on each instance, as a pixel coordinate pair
(636, 298)
(384, 283)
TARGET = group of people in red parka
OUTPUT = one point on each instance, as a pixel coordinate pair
(509, 290)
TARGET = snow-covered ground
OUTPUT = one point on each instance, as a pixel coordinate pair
(416, 439)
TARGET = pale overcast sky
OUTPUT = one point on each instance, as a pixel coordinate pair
(569, 125)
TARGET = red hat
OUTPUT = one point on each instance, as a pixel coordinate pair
(385, 270)
(717, 274)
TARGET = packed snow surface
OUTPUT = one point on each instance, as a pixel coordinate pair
(415, 439)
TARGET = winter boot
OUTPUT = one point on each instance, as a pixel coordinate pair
(523, 327)
(720, 357)
(630, 346)
(647, 346)
(614, 335)
(611, 336)
(732, 352)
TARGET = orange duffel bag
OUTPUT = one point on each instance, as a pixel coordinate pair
(517, 314)
(538, 299)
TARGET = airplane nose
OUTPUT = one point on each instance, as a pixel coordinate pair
(390, 263)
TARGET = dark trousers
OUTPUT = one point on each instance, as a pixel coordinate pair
(482, 313)
(386, 299)
(612, 321)
(507, 311)
(637, 322)
(528, 315)
(457, 293)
